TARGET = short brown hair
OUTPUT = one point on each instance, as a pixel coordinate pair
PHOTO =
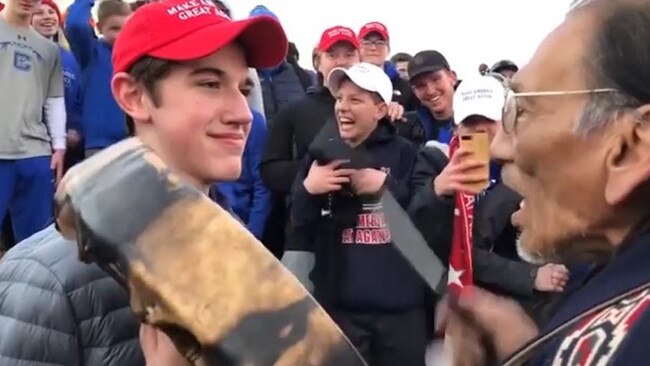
(109, 8)
(149, 71)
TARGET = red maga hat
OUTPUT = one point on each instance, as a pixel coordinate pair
(183, 30)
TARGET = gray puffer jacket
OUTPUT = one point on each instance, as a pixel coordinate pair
(56, 310)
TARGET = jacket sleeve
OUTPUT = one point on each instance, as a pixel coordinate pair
(305, 211)
(37, 322)
(278, 167)
(79, 32)
(261, 200)
(73, 105)
(305, 214)
(491, 219)
(432, 215)
(400, 186)
(514, 277)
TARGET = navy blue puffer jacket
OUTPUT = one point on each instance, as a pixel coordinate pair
(56, 310)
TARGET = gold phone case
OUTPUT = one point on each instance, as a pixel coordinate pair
(479, 144)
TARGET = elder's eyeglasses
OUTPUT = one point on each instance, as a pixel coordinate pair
(510, 113)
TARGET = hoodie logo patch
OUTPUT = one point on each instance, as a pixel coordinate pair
(371, 228)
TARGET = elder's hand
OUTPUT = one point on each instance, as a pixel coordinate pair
(480, 319)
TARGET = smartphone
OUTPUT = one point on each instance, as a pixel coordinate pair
(479, 144)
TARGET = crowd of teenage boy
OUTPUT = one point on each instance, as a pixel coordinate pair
(323, 146)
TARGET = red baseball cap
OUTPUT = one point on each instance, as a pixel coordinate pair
(374, 27)
(183, 30)
(337, 34)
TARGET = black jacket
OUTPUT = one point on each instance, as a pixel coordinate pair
(289, 137)
(318, 221)
(402, 92)
(420, 126)
(56, 310)
(496, 266)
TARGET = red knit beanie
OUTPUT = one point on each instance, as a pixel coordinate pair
(53, 5)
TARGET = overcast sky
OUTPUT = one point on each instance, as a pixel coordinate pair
(467, 32)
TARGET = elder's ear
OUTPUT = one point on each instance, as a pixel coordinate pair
(628, 157)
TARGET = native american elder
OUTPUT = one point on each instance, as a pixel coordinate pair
(575, 142)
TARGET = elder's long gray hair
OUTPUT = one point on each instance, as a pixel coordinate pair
(618, 58)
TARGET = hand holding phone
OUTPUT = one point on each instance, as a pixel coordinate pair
(477, 146)
(468, 169)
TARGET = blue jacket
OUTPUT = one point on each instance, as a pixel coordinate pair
(71, 82)
(280, 85)
(102, 119)
(248, 196)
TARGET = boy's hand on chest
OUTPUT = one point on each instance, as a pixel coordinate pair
(368, 181)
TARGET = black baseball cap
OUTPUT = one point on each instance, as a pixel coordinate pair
(504, 65)
(427, 61)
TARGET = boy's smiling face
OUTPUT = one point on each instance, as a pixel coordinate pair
(199, 120)
(111, 27)
(357, 112)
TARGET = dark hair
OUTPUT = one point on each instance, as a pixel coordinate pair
(137, 4)
(401, 57)
(293, 51)
(618, 58)
(109, 8)
(315, 61)
(223, 7)
(149, 71)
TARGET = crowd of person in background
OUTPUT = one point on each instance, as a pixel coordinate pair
(302, 191)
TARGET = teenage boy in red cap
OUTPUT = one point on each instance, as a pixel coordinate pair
(375, 48)
(181, 74)
(297, 124)
(342, 248)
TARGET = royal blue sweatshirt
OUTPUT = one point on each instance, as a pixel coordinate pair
(248, 196)
(102, 120)
(72, 89)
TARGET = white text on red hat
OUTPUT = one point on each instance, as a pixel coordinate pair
(336, 31)
(195, 8)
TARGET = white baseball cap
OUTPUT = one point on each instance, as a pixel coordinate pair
(480, 96)
(366, 76)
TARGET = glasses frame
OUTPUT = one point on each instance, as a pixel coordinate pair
(376, 43)
(510, 126)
